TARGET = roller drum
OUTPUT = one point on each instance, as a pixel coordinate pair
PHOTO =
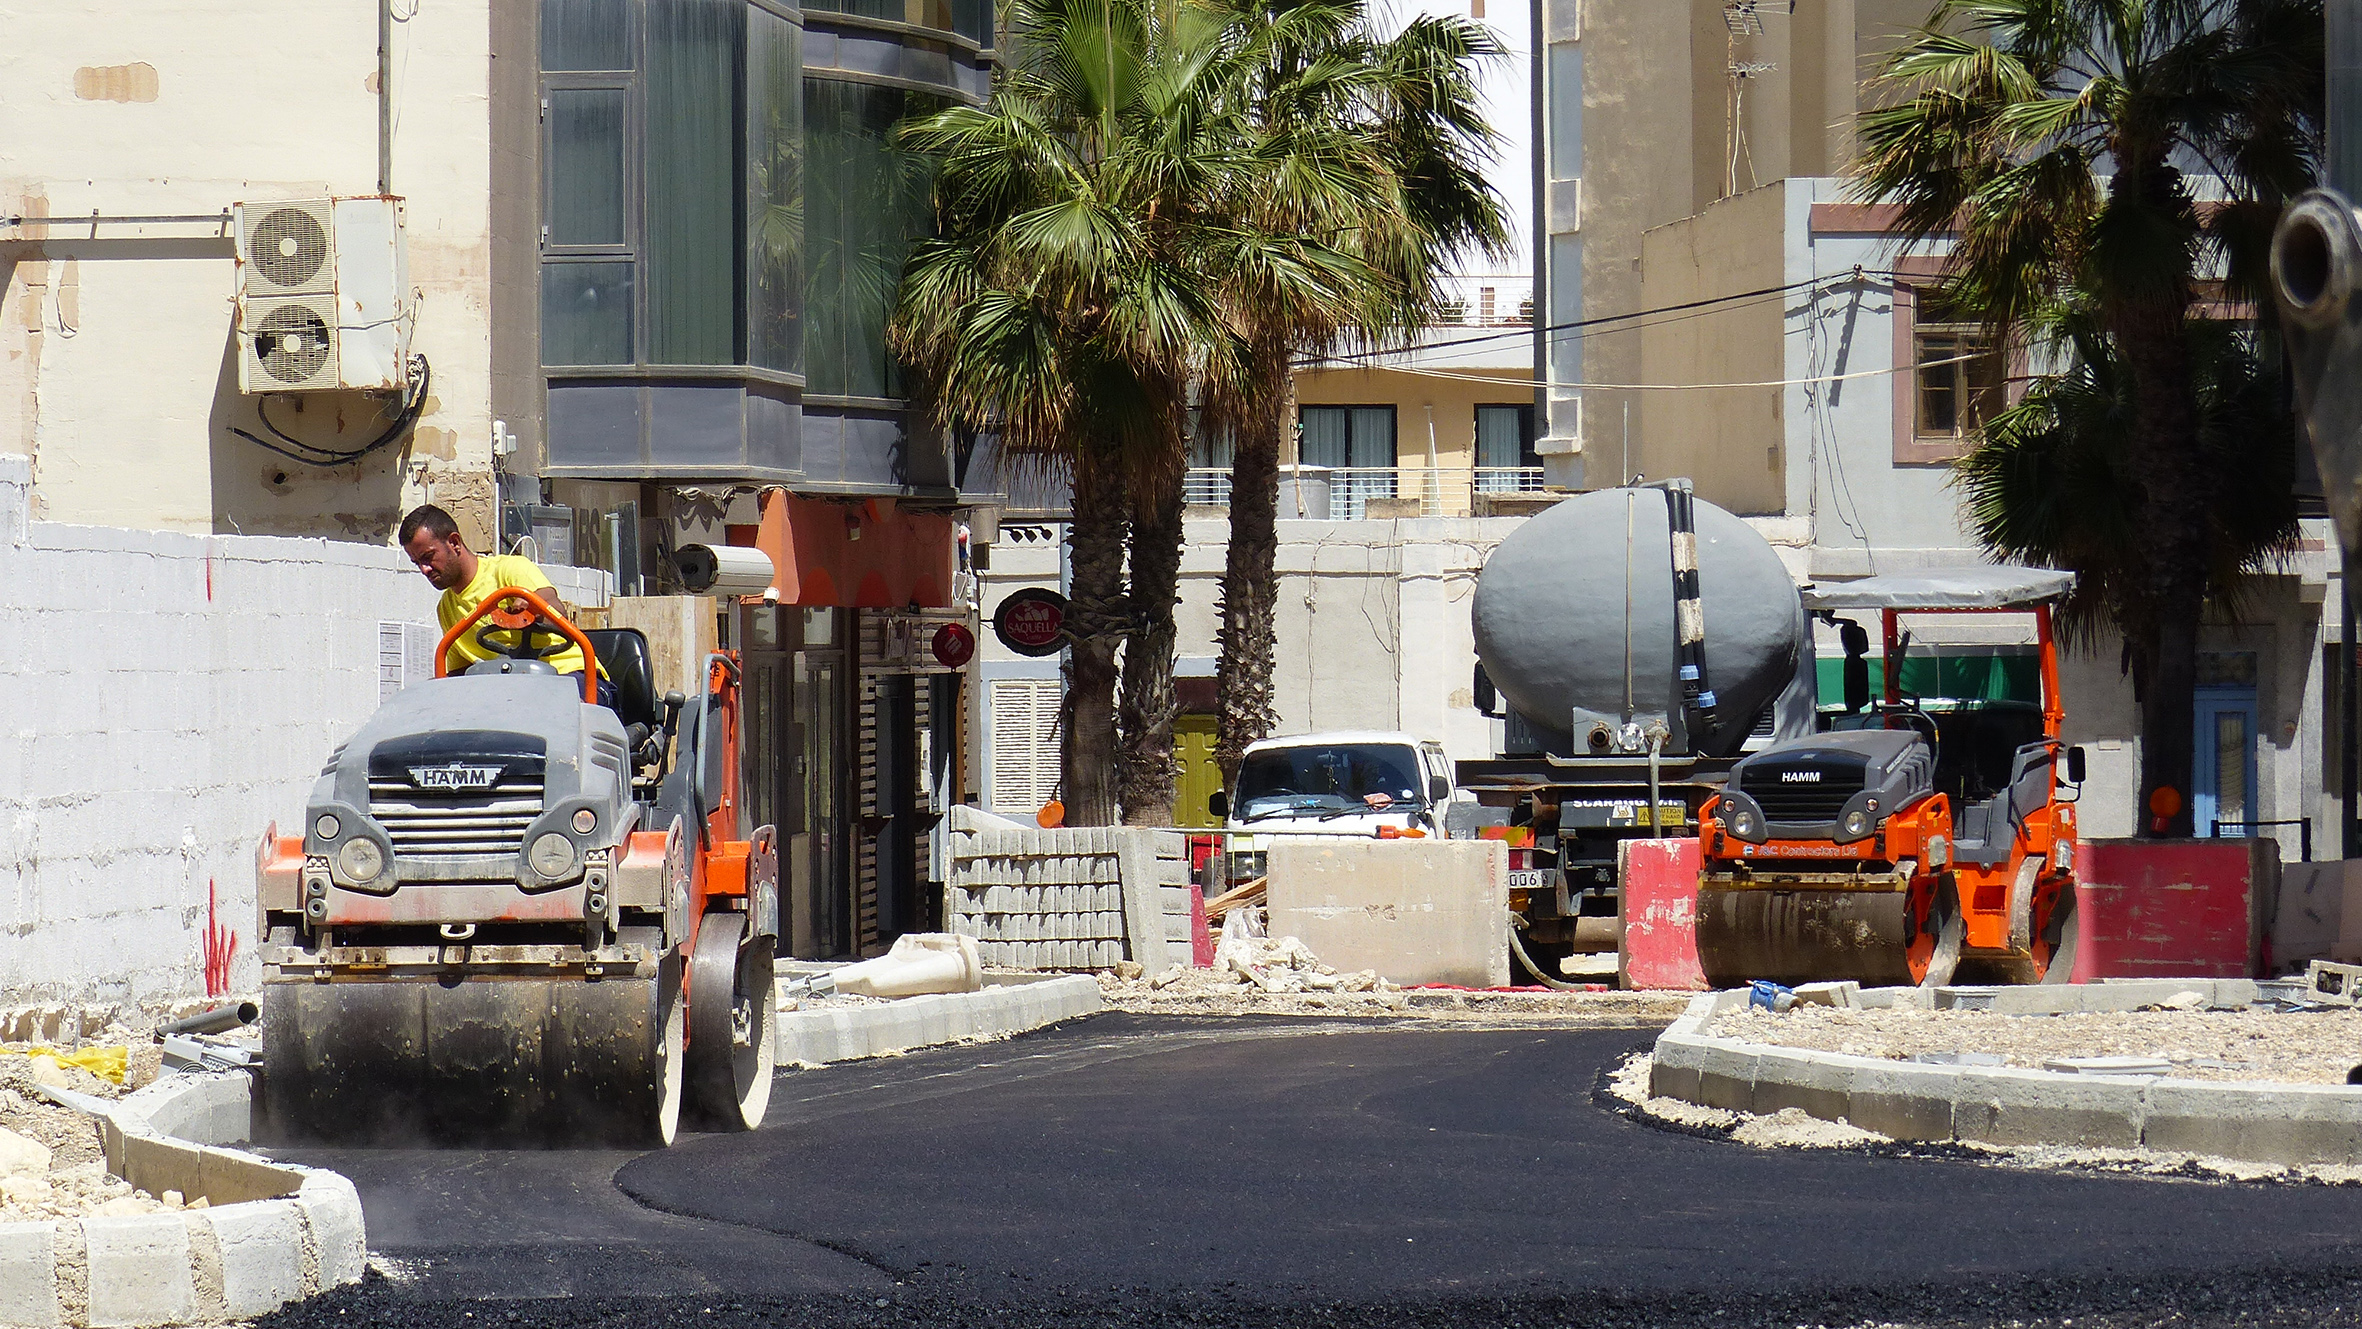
(1803, 936)
(487, 1059)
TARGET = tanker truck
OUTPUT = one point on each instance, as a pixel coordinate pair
(1639, 639)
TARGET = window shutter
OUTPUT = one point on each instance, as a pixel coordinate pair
(1024, 719)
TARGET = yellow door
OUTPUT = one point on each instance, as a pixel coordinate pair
(1193, 749)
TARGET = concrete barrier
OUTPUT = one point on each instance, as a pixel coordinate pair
(1008, 1004)
(272, 1233)
(1416, 911)
(2286, 1125)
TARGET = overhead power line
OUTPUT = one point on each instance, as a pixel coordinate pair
(1311, 362)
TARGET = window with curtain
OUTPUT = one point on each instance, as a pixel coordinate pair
(589, 270)
(1505, 436)
(673, 189)
(1357, 436)
(866, 201)
(775, 192)
(694, 97)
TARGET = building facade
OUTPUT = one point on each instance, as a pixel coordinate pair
(1647, 111)
(641, 257)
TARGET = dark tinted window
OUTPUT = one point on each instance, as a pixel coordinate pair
(1325, 777)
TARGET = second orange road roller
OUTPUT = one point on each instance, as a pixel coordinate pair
(1919, 836)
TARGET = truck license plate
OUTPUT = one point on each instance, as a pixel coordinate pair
(1533, 879)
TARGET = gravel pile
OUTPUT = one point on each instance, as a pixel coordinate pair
(2296, 1047)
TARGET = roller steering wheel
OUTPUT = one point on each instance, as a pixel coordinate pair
(1911, 715)
(526, 623)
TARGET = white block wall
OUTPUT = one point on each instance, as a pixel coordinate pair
(163, 698)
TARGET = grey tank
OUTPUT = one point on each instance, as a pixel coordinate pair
(1587, 584)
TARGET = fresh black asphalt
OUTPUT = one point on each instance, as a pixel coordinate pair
(1124, 1170)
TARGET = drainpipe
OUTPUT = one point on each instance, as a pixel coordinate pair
(385, 97)
(1434, 486)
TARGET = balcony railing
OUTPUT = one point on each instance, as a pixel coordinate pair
(1353, 493)
(1508, 479)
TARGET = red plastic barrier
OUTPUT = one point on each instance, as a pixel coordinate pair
(1201, 934)
(1659, 915)
(2172, 908)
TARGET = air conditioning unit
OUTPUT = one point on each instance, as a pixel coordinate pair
(323, 296)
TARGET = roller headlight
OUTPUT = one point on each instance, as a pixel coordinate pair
(1855, 824)
(586, 821)
(327, 827)
(1745, 824)
(361, 859)
(552, 855)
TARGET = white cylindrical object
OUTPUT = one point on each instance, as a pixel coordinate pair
(920, 962)
(725, 570)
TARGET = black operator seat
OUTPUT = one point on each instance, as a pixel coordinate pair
(624, 657)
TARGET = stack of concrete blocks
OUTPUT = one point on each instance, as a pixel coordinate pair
(1075, 898)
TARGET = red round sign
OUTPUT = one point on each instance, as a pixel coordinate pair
(954, 645)
(1032, 622)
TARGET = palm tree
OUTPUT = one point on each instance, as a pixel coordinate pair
(1364, 183)
(2051, 481)
(1064, 307)
(2053, 139)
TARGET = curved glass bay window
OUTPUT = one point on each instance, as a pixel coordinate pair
(672, 266)
(869, 204)
(868, 66)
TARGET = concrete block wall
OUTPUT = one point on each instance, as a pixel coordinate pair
(1068, 898)
(163, 698)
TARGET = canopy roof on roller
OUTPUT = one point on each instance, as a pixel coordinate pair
(1988, 587)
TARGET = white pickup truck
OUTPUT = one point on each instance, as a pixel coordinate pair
(1345, 783)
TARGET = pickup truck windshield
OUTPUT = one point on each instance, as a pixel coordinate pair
(1319, 778)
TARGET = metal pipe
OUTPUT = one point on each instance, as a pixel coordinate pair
(221, 1019)
(221, 218)
(1656, 752)
(2349, 747)
(385, 97)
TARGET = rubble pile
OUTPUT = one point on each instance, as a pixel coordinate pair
(51, 1162)
(1254, 974)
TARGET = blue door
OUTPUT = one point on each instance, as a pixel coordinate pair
(2222, 787)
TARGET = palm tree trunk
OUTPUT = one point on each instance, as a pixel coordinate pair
(1249, 634)
(1096, 616)
(1145, 773)
(2152, 336)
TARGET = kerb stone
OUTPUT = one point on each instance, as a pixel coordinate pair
(139, 1269)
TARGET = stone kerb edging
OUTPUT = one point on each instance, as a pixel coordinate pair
(273, 1232)
(2282, 1124)
(1008, 1004)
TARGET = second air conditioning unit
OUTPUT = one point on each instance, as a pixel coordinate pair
(324, 299)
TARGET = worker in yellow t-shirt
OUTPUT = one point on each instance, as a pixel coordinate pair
(432, 540)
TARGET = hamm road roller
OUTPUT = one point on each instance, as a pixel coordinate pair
(515, 913)
(1919, 832)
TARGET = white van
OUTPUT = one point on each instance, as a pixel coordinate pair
(1348, 783)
